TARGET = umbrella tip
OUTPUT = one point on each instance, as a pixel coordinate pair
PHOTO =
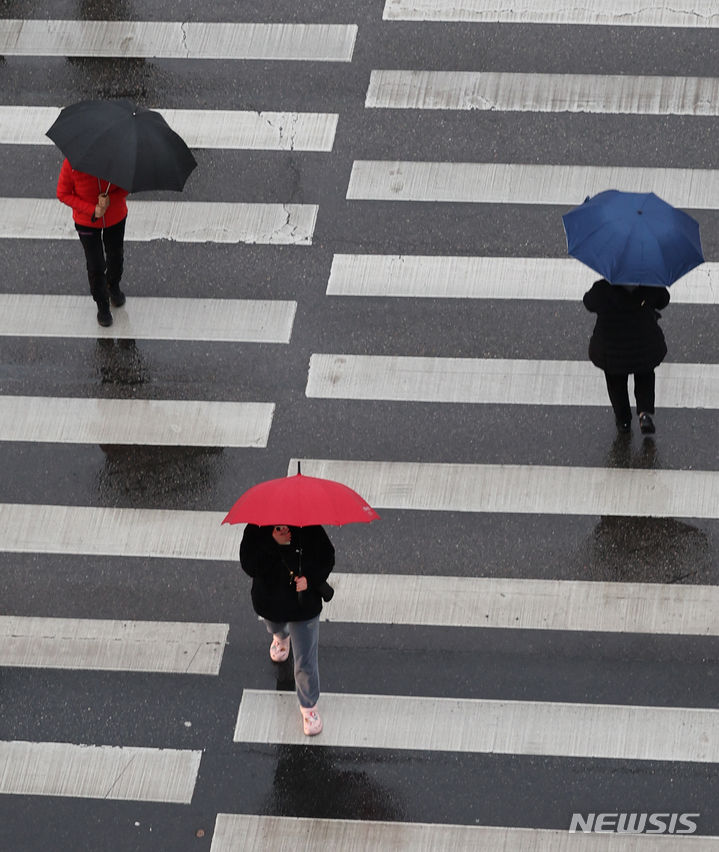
(299, 471)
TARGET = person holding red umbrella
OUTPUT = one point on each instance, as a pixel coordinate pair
(289, 564)
(289, 567)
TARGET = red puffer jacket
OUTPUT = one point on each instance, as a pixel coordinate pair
(79, 191)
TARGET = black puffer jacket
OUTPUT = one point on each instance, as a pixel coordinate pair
(270, 565)
(627, 337)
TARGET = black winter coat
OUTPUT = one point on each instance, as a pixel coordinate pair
(271, 565)
(627, 337)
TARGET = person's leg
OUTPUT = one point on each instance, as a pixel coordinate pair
(644, 392)
(305, 639)
(114, 241)
(619, 397)
(280, 647)
(91, 239)
(644, 395)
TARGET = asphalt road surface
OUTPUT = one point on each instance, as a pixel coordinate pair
(366, 272)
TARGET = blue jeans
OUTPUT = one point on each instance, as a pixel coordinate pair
(305, 641)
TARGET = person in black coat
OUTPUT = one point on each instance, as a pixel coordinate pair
(289, 567)
(627, 339)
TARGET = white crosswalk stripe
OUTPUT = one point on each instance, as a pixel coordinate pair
(133, 646)
(624, 732)
(513, 92)
(505, 603)
(98, 772)
(184, 221)
(135, 421)
(532, 489)
(495, 380)
(614, 13)
(178, 534)
(421, 276)
(150, 318)
(177, 40)
(518, 183)
(236, 832)
(414, 486)
(220, 128)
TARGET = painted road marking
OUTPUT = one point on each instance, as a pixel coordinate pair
(662, 13)
(200, 128)
(236, 832)
(182, 534)
(509, 603)
(424, 276)
(183, 221)
(495, 381)
(512, 92)
(98, 772)
(178, 40)
(606, 731)
(132, 646)
(149, 318)
(196, 423)
(518, 183)
(534, 489)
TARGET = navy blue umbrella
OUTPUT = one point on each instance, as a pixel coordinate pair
(633, 238)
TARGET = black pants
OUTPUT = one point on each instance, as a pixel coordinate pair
(104, 254)
(617, 385)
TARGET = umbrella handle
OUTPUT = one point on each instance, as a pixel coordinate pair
(93, 218)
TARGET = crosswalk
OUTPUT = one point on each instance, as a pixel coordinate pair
(100, 772)
(182, 221)
(178, 40)
(216, 128)
(516, 604)
(493, 380)
(259, 832)
(526, 489)
(112, 645)
(527, 727)
(151, 318)
(446, 277)
(468, 90)
(272, 387)
(523, 183)
(614, 13)
(135, 421)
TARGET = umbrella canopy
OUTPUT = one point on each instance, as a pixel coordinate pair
(300, 501)
(633, 238)
(127, 145)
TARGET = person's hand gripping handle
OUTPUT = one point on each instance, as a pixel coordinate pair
(103, 202)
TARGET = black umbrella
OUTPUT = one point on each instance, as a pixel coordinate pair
(128, 145)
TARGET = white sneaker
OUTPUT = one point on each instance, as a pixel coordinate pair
(311, 721)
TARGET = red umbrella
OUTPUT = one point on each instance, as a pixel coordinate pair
(300, 501)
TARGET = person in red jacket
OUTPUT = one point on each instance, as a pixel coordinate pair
(99, 210)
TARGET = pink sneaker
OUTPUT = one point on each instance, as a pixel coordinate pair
(279, 649)
(311, 721)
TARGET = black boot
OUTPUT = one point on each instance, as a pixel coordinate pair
(646, 424)
(104, 317)
(117, 297)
